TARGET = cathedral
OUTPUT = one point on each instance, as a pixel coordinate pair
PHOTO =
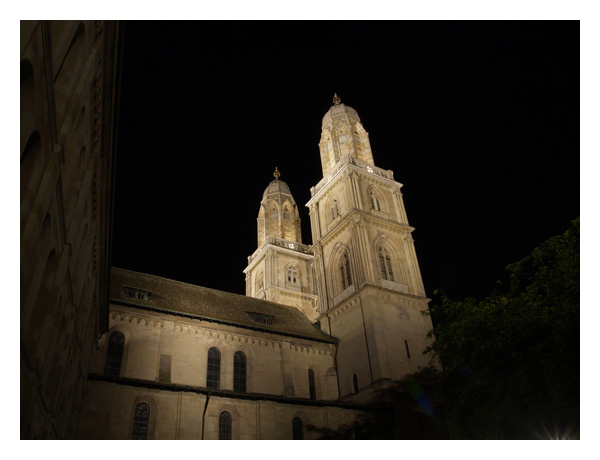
(322, 326)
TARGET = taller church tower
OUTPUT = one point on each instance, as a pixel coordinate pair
(281, 270)
(367, 275)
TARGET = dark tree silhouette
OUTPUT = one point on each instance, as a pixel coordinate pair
(511, 360)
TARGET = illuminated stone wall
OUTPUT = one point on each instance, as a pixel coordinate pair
(276, 364)
(367, 276)
(277, 380)
(67, 103)
(281, 269)
(180, 414)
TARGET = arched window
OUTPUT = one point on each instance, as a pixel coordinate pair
(335, 210)
(286, 213)
(225, 425)
(213, 371)
(344, 267)
(292, 275)
(297, 428)
(385, 264)
(239, 371)
(141, 419)
(114, 354)
(311, 384)
(374, 198)
(354, 384)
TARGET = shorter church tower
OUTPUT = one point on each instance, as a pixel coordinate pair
(281, 269)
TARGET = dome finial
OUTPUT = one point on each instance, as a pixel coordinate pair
(336, 99)
(276, 173)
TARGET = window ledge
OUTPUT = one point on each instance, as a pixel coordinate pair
(394, 286)
(344, 294)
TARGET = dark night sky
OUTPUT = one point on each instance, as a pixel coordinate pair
(478, 120)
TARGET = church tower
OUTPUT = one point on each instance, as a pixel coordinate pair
(367, 275)
(281, 270)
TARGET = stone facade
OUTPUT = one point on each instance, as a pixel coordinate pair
(108, 353)
(322, 329)
(68, 86)
(281, 269)
(182, 413)
(369, 282)
(168, 330)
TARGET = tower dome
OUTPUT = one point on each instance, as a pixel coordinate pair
(342, 133)
(278, 215)
(339, 113)
(277, 187)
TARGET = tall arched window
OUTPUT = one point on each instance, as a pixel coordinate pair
(344, 267)
(213, 371)
(239, 371)
(141, 419)
(114, 354)
(354, 384)
(311, 384)
(297, 428)
(225, 425)
(385, 264)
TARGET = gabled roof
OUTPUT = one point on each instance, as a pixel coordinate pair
(184, 299)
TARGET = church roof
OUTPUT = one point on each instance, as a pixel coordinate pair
(168, 296)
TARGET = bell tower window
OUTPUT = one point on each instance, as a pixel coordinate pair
(375, 202)
(292, 275)
(335, 210)
(385, 265)
(344, 268)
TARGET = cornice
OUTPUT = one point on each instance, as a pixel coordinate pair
(373, 174)
(260, 253)
(387, 295)
(318, 348)
(357, 215)
(178, 388)
(140, 316)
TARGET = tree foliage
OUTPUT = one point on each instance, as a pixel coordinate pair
(511, 361)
